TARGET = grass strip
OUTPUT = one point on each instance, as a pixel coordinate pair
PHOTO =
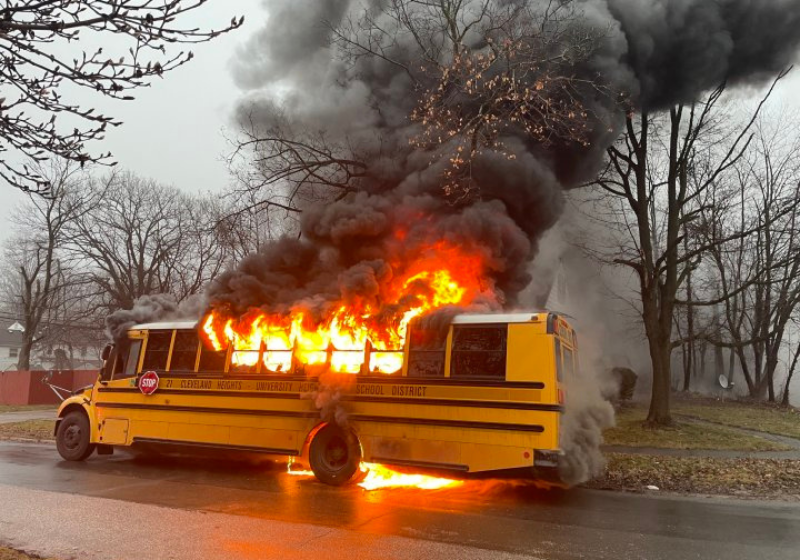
(39, 430)
(757, 478)
(11, 554)
(630, 432)
(764, 418)
(26, 407)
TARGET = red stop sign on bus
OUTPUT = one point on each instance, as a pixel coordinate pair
(148, 382)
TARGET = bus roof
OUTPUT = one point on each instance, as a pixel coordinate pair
(465, 319)
(166, 325)
(477, 318)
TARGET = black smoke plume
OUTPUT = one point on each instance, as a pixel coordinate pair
(648, 53)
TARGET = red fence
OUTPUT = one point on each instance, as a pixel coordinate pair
(26, 387)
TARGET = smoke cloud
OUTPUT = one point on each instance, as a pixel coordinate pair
(149, 308)
(651, 52)
(587, 415)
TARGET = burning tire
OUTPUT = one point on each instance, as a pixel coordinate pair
(73, 437)
(334, 455)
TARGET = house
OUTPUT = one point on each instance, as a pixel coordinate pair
(78, 347)
(10, 344)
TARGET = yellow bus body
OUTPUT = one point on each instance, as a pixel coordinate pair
(466, 425)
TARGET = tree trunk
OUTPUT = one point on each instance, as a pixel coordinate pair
(659, 415)
(660, 346)
(687, 367)
(731, 364)
(692, 362)
(792, 367)
(24, 360)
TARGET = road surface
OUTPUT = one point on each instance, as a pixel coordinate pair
(127, 507)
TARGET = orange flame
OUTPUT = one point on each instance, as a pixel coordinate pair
(295, 471)
(364, 333)
(378, 477)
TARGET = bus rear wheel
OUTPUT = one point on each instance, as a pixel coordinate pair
(73, 439)
(334, 455)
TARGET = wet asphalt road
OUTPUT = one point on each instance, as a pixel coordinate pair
(487, 517)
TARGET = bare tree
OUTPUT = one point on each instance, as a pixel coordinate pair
(652, 170)
(140, 238)
(757, 276)
(39, 62)
(39, 280)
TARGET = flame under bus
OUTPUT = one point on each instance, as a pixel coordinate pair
(481, 396)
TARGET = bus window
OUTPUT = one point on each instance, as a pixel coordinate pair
(157, 350)
(132, 361)
(569, 362)
(559, 361)
(212, 361)
(479, 351)
(184, 351)
(426, 353)
(245, 360)
(112, 367)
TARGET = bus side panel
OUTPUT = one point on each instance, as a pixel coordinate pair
(396, 445)
(531, 358)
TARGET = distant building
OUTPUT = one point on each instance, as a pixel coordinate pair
(10, 344)
(80, 350)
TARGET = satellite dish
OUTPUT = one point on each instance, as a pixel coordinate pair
(724, 382)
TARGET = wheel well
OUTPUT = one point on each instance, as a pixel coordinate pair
(71, 408)
(315, 430)
(67, 409)
(309, 437)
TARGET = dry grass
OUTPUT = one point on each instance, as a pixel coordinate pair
(25, 407)
(630, 432)
(10, 554)
(39, 430)
(753, 416)
(767, 478)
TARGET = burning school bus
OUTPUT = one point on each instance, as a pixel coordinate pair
(482, 395)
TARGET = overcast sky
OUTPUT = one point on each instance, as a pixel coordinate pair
(174, 130)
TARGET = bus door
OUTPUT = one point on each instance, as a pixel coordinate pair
(118, 385)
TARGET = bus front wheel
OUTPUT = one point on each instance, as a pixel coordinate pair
(73, 439)
(334, 455)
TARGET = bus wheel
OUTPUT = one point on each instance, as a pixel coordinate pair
(334, 455)
(73, 437)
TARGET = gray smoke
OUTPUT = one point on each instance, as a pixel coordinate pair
(587, 414)
(327, 397)
(149, 308)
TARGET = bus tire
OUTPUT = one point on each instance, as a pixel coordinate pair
(73, 439)
(334, 455)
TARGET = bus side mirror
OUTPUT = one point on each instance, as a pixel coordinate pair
(106, 352)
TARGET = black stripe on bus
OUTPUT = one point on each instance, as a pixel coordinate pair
(456, 402)
(449, 423)
(387, 379)
(225, 446)
(211, 410)
(354, 398)
(362, 417)
(212, 393)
